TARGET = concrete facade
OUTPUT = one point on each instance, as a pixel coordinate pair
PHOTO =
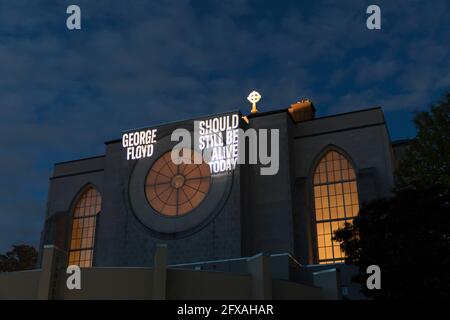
(255, 280)
(245, 213)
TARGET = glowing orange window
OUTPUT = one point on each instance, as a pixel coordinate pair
(83, 228)
(335, 202)
(175, 190)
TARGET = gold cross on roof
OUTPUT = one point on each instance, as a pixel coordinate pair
(254, 98)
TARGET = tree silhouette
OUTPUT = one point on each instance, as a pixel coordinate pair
(427, 160)
(21, 257)
(408, 235)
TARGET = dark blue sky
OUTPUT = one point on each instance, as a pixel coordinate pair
(134, 63)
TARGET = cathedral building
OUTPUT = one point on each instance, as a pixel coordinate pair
(132, 205)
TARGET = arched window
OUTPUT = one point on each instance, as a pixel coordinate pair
(336, 202)
(83, 228)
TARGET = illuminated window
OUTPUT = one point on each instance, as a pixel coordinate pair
(175, 190)
(336, 202)
(83, 228)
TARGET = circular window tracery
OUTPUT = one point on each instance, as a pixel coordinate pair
(175, 190)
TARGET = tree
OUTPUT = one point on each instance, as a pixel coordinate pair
(408, 235)
(427, 159)
(21, 257)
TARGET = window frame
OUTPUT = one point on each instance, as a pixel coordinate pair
(314, 222)
(148, 186)
(72, 218)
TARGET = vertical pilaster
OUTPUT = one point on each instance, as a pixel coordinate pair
(160, 272)
(330, 282)
(260, 269)
(53, 262)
